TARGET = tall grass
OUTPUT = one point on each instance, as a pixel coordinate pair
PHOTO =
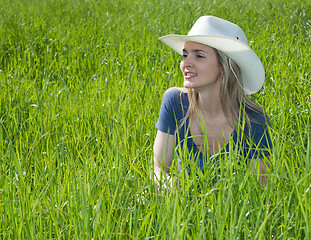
(81, 88)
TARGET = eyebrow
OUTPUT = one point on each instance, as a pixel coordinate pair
(195, 50)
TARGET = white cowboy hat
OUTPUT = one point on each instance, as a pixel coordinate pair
(229, 39)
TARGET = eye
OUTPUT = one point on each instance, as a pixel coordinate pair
(200, 56)
(184, 55)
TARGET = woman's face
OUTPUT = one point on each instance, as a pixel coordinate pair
(200, 66)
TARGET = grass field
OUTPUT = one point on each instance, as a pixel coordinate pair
(81, 88)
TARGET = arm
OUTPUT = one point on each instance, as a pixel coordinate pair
(260, 168)
(263, 149)
(163, 150)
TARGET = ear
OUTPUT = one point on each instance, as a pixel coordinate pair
(221, 69)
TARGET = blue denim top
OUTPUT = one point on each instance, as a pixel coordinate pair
(256, 141)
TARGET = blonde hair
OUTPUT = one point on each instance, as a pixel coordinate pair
(233, 98)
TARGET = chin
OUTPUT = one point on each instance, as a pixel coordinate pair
(188, 85)
(191, 85)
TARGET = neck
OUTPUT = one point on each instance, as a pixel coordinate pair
(209, 103)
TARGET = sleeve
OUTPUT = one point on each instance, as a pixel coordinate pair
(260, 144)
(169, 112)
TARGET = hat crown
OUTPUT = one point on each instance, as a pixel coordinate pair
(213, 26)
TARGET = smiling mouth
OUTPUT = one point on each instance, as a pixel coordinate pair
(190, 74)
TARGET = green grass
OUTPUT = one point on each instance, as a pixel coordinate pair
(81, 88)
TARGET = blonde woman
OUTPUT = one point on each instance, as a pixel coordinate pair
(219, 70)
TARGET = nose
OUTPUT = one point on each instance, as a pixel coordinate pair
(187, 62)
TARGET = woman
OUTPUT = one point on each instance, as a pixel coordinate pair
(219, 70)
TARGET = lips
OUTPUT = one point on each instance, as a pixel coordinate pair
(190, 75)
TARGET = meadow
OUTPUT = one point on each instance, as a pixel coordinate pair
(81, 88)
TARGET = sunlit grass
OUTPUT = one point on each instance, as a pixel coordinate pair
(81, 88)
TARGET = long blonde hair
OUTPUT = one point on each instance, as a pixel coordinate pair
(233, 98)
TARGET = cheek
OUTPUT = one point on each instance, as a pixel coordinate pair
(181, 65)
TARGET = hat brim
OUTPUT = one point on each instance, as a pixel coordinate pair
(252, 71)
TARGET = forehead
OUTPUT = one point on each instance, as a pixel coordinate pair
(197, 46)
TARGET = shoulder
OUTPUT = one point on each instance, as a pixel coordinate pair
(174, 92)
(176, 96)
(173, 109)
(260, 143)
(260, 125)
(257, 117)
